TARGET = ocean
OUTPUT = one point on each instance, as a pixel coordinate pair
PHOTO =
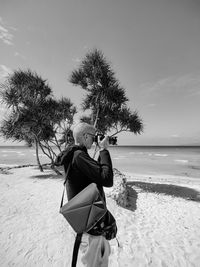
(148, 160)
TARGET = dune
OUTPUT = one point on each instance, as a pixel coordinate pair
(158, 220)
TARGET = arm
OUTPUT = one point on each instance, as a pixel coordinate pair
(100, 172)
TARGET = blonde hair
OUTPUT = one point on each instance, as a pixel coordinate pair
(80, 129)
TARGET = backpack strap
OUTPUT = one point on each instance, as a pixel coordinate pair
(61, 203)
(78, 236)
(66, 174)
(76, 249)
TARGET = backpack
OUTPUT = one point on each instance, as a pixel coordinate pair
(87, 205)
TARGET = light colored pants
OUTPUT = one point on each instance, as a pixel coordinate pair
(94, 251)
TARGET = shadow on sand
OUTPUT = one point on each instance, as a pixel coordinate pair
(46, 176)
(5, 171)
(132, 196)
(168, 189)
(51, 175)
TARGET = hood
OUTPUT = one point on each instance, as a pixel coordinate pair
(66, 156)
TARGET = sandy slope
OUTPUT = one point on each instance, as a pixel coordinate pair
(157, 230)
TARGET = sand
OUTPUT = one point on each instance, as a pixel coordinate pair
(161, 226)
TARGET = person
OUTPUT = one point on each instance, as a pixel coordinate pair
(83, 171)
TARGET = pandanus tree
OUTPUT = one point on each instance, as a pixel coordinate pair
(35, 116)
(105, 96)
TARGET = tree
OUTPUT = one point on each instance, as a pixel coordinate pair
(36, 117)
(60, 115)
(105, 97)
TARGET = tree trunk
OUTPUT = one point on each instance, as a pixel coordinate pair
(55, 169)
(96, 119)
(37, 156)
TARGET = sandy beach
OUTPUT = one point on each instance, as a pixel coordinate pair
(160, 227)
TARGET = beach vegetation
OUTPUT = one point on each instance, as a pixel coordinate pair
(105, 98)
(35, 116)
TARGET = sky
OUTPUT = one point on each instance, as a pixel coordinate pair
(152, 45)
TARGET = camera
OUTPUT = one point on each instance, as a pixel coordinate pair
(112, 140)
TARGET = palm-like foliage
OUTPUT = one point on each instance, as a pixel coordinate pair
(105, 97)
(24, 89)
(35, 116)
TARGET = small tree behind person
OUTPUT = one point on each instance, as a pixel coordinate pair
(83, 171)
(35, 116)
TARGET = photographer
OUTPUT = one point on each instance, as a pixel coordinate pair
(83, 171)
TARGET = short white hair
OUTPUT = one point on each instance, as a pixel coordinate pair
(80, 129)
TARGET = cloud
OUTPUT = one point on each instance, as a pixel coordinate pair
(187, 85)
(175, 136)
(151, 105)
(5, 34)
(17, 54)
(4, 71)
(76, 60)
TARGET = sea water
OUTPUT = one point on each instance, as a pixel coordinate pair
(148, 160)
(153, 160)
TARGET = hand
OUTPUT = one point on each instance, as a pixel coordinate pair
(103, 144)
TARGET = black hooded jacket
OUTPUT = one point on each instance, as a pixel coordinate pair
(85, 170)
